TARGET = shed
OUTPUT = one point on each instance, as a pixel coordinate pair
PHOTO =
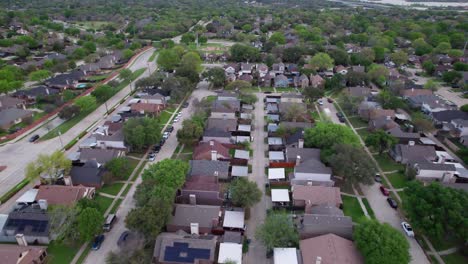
(276, 155)
(244, 128)
(241, 154)
(285, 255)
(240, 171)
(234, 219)
(241, 139)
(275, 141)
(276, 173)
(230, 252)
(280, 195)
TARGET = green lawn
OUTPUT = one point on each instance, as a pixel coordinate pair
(398, 180)
(444, 243)
(164, 117)
(83, 256)
(363, 133)
(356, 121)
(133, 165)
(60, 253)
(124, 193)
(104, 203)
(112, 189)
(455, 258)
(386, 163)
(65, 126)
(352, 208)
(268, 89)
(116, 206)
(152, 56)
(368, 208)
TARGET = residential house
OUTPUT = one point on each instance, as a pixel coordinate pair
(308, 167)
(295, 138)
(183, 248)
(331, 249)
(246, 68)
(301, 81)
(102, 156)
(65, 80)
(428, 171)
(201, 190)
(378, 112)
(7, 102)
(358, 91)
(225, 108)
(223, 124)
(114, 141)
(281, 81)
(292, 69)
(246, 78)
(316, 81)
(211, 150)
(442, 118)
(267, 80)
(271, 108)
(22, 254)
(331, 222)
(262, 70)
(209, 168)
(219, 135)
(196, 219)
(341, 70)
(402, 136)
(382, 122)
(31, 95)
(412, 153)
(32, 221)
(232, 68)
(365, 107)
(278, 68)
(64, 195)
(153, 99)
(428, 103)
(89, 174)
(308, 196)
(147, 108)
(460, 127)
(12, 116)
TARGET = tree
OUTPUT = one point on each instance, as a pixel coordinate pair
(421, 47)
(216, 76)
(451, 77)
(321, 61)
(437, 211)
(245, 193)
(365, 57)
(340, 57)
(464, 108)
(167, 172)
(119, 167)
(126, 74)
(378, 74)
(381, 243)
(90, 222)
(86, 103)
(39, 75)
(127, 54)
(187, 38)
(68, 112)
(295, 113)
(178, 87)
(422, 123)
(103, 92)
(381, 140)
(379, 53)
(313, 94)
(399, 57)
(354, 78)
(277, 231)
(293, 54)
(353, 164)
(350, 104)
(326, 135)
(49, 167)
(191, 60)
(278, 38)
(240, 53)
(141, 132)
(429, 67)
(238, 85)
(90, 46)
(190, 132)
(442, 48)
(431, 85)
(149, 220)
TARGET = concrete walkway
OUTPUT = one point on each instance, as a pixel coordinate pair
(432, 250)
(363, 206)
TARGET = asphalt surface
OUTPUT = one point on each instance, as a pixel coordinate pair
(110, 243)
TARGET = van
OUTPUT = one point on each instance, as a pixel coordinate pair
(109, 222)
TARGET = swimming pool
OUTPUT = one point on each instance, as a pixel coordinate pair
(81, 86)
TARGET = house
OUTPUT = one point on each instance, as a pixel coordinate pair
(22, 254)
(427, 171)
(286, 255)
(225, 108)
(402, 136)
(383, 122)
(291, 98)
(147, 108)
(281, 81)
(201, 190)
(12, 116)
(114, 141)
(460, 127)
(445, 117)
(428, 103)
(223, 124)
(230, 253)
(266, 81)
(182, 248)
(412, 153)
(102, 156)
(232, 68)
(246, 78)
(378, 112)
(308, 167)
(7, 102)
(292, 69)
(262, 70)
(308, 196)
(89, 174)
(271, 108)
(211, 150)
(196, 219)
(295, 139)
(313, 225)
(316, 81)
(219, 135)
(278, 68)
(301, 81)
(64, 195)
(341, 70)
(153, 99)
(365, 107)
(31, 95)
(65, 80)
(245, 68)
(209, 168)
(32, 221)
(331, 249)
(358, 91)
(407, 93)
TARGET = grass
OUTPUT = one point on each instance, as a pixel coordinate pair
(84, 254)
(164, 117)
(398, 180)
(116, 206)
(368, 208)
(60, 253)
(65, 126)
(153, 56)
(104, 203)
(455, 258)
(14, 190)
(357, 122)
(139, 170)
(363, 133)
(127, 189)
(444, 243)
(352, 208)
(36, 116)
(386, 163)
(112, 189)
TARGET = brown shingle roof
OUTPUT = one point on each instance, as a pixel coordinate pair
(202, 183)
(147, 107)
(317, 195)
(203, 150)
(62, 195)
(10, 254)
(331, 248)
(377, 112)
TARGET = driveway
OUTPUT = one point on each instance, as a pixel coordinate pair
(330, 111)
(110, 243)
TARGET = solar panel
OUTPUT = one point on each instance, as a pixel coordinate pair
(35, 226)
(181, 252)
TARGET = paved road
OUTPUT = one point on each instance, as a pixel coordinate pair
(110, 243)
(329, 110)
(17, 155)
(257, 251)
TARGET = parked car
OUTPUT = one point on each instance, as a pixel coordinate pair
(165, 135)
(378, 178)
(170, 129)
(408, 229)
(123, 238)
(185, 105)
(384, 190)
(392, 203)
(330, 100)
(151, 156)
(320, 101)
(110, 220)
(340, 117)
(162, 141)
(97, 242)
(34, 138)
(179, 114)
(175, 120)
(156, 148)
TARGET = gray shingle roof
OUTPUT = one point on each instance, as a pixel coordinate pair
(209, 168)
(201, 214)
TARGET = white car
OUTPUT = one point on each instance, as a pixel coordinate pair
(179, 114)
(151, 157)
(320, 102)
(408, 229)
(166, 135)
(175, 120)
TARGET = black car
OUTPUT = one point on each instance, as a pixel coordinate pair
(161, 143)
(392, 203)
(156, 148)
(170, 129)
(185, 105)
(340, 117)
(378, 178)
(123, 238)
(97, 242)
(34, 138)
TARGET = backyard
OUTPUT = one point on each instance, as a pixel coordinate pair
(352, 208)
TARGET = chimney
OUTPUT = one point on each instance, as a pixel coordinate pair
(214, 155)
(300, 143)
(68, 181)
(318, 260)
(21, 240)
(46, 90)
(298, 160)
(216, 173)
(43, 204)
(194, 230)
(193, 199)
(211, 143)
(442, 160)
(215, 222)
(410, 143)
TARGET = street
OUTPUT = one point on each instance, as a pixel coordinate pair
(110, 243)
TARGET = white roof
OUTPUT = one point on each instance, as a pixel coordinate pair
(3, 219)
(246, 116)
(240, 139)
(427, 141)
(230, 251)
(245, 128)
(401, 116)
(73, 156)
(276, 173)
(241, 154)
(125, 109)
(275, 141)
(133, 101)
(272, 127)
(285, 255)
(234, 219)
(28, 197)
(276, 155)
(279, 195)
(240, 171)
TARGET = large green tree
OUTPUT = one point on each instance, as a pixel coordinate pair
(90, 222)
(381, 140)
(244, 193)
(167, 172)
(141, 132)
(39, 75)
(238, 85)
(242, 53)
(103, 92)
(321, 61)
(277, 231)
(49, 167)
(381, 243)
(190, 132)
(150, 219)
(119, 167)
(168, 59)
(353, 164)
(86, 103)
(216, 76)
(326, 135)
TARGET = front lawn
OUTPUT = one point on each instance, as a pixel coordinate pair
(60, 253)
(112, 189)
(368, 208)
(398, 180)
(455, 258)
(357, 122)
(65, 126)
(386, 163)
(363, 133)
(352, 208)
(104, 203)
